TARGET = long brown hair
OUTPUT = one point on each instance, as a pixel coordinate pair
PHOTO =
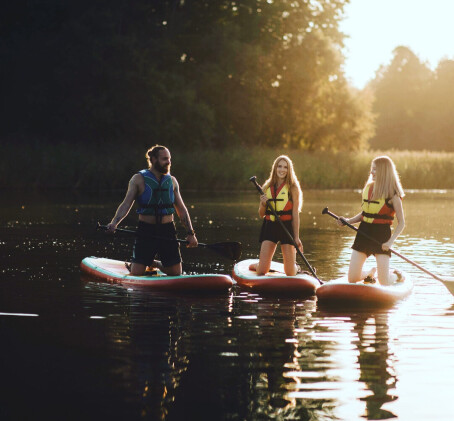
(387, 182)
(291, 179)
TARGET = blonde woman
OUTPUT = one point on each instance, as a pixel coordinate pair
(283, 191)
(381, 202)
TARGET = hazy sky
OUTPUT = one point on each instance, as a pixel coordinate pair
(376, 27)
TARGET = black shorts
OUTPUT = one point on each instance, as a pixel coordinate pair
(379, 232)
(272, 231)
(146, 247)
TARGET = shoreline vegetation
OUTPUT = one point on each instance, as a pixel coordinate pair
(72, 166)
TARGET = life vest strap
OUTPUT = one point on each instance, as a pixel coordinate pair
(377, 216)
(282, 212)
(376, 202)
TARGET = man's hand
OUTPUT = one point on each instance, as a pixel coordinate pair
(111, 227)
(192, 241)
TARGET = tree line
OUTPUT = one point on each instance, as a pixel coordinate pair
(207, 74)
(414, 105)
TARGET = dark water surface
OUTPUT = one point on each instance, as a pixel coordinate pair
(73, 349)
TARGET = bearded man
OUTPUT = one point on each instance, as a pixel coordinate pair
(158, 196)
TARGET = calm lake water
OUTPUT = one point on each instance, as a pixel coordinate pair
(74, 349)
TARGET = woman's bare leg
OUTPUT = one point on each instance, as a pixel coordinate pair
(355, 270)
(267, 250)
(289, 255)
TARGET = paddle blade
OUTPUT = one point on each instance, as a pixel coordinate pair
(229, 249)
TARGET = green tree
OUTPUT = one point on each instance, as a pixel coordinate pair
(401, 90)
(198, 72)
(439, 128)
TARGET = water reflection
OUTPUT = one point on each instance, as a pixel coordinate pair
(164, 343)
(375, 364)
(269, 349)
(355, 365)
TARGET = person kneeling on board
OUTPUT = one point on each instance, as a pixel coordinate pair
(283, 192)
(381, 201)
(158, 195)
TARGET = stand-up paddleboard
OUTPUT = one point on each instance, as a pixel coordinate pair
(275, 281)
(115, 271)
(341, 292)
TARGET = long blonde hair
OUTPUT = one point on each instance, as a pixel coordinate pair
(291, 179)
(387, 181)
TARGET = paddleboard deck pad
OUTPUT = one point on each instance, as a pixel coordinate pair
(341, 292)
(275, 281)
(115, 271)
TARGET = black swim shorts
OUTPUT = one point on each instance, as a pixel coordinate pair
(146, 248)
(272, 231)
(379, 232)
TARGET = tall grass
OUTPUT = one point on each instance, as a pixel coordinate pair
(100, 167)
(231, 169)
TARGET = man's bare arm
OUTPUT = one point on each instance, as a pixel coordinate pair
(126, 205)
(183, 214)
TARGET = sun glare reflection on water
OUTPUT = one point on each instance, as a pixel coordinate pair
(394, 363)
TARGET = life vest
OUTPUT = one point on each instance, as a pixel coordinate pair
(280, 201)
(158, 197)
(378, 211)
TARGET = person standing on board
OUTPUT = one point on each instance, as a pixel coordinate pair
(381, 201)
(283, 191)
(158, 197)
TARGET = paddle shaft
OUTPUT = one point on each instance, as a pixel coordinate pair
(156, 237)
(326, 211)
(290, 237)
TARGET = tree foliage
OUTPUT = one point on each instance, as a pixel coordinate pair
(212, 73)
(413, 104)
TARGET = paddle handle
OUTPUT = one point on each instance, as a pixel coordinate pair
(327, 212)
(253, 179)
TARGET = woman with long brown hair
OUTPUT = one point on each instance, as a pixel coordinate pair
(381, 201)
(283, 191)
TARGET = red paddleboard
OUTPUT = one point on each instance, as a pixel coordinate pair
(341, 292)
(274, 281)
(114, 271)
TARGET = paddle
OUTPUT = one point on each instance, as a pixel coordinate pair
(290, 237)
(326, 211)
(229, 249)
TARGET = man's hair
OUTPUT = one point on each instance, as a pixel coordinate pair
(153, 152)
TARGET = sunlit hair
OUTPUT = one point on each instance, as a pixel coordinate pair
(154, 152)
(290, 179)
(387, 181)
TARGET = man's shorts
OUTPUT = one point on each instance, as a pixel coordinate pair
(379, 232)
(146, 247)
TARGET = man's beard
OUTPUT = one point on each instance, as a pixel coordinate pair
(161, 169)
